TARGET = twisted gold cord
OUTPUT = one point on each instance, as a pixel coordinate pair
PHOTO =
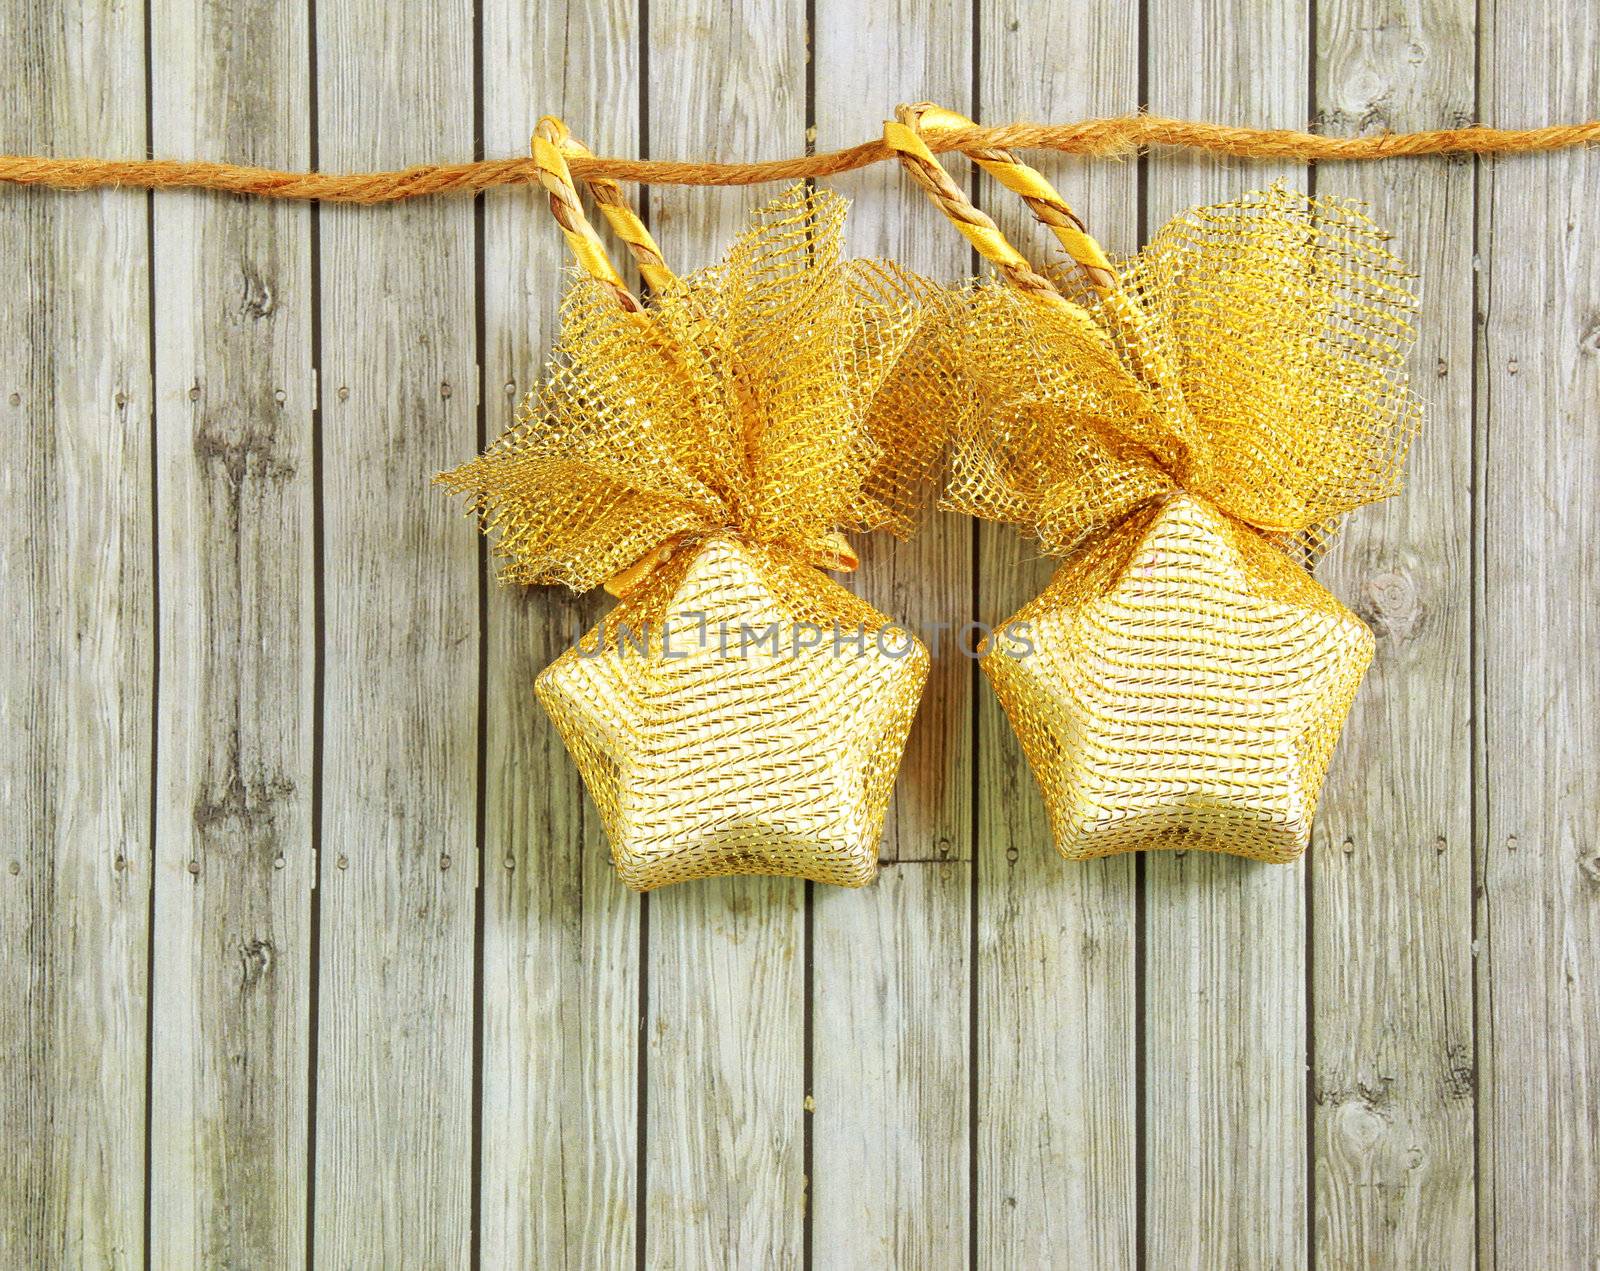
(1095, 137)
(1042, 199)
(553, 144)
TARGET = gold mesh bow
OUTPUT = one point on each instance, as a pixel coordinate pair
(738, 712)
(1186, 427)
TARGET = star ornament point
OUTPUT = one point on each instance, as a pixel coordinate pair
(741, 716)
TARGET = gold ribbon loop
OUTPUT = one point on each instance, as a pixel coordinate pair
(1114, 339)
(977, 227)
(1052, 211)
(552, 145)
(1043, 200)
(626, 581)
(831, 552)
(834, 553)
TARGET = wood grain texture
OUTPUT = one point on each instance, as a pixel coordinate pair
(235, 859)
(868, 60)
(319, 1044)
(725, 1182)
(891, 980)
(1057, 1033)
(889, 1182)
(1538, 456)
(77, 657)
(1391, 865)
(561, 934)
(1224, 969)
(725, 1029)
(400, 634)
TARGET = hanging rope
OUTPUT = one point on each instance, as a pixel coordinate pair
(1096, 137)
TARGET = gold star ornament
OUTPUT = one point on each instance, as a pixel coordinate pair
(741, 716)
(738, 711)
(1186, 435)
(1180, 683)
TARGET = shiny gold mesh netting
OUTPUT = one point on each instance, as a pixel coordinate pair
(1184, 679)
(766, 742)
(738, 712)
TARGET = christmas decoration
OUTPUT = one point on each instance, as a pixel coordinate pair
(1185, 428)
(738, 711)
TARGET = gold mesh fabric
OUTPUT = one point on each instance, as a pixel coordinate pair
(1259, 370)
(1180, 684)
(739, 715)
(721, 438)
(783, 394)
(1185, 679)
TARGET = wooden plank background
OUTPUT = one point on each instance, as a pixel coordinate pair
(312, 953)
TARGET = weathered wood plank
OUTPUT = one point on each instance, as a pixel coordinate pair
(1224, 969)
(889, 1182)
(892, 981)
(1538, 448)
(400, 634)
(235, 860)
(1057, 1036)
(867, 61)
(1391, 865)
(77, 657)
(724, 1168)
(561, 935)
(725, 1181)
